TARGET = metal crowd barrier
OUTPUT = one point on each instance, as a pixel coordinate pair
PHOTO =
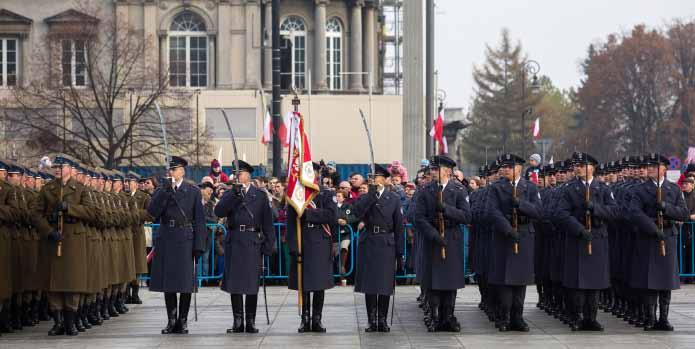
(276, 267)
(686, 250)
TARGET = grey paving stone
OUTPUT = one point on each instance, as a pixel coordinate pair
(345, 318)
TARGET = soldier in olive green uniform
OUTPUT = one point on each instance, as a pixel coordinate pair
(64, 208)
(6, 266)
(140, 201)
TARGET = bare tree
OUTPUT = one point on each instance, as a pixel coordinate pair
(89, 73)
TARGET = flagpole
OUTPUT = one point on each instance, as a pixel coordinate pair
(300, 270)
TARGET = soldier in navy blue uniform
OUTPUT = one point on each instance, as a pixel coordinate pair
(178, 207)
(381, 246)
(656, 271)
(511, 269)
(442, 277)
(584, 222)
(250, 235)
(317, 257)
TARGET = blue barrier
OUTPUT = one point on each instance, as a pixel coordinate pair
(281, 263)
(686, 248)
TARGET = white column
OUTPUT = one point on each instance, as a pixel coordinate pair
(253, 36)
(267, 51)
(320, 45)
(224, 39)
(369, 63)
(356, 46)
(151, 38)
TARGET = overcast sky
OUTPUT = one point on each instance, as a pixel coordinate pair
(556, 33)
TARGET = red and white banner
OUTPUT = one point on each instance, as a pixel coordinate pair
(268, 129)
(437, 132)
(537, 128)
(302, 182)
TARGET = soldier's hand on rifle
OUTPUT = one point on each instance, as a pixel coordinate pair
(63, 206)
(516, 203)
(237, 189)
(585, 235)
(55, 236)
(661, 206)
(439, 240)
(441, 206)
(198, 253)
(512, 235)
(659, 234)
(589, 206)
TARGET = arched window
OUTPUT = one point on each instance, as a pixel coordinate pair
(293, 32)
(334, 60)
(188, 51)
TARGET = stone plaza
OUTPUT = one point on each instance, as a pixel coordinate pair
(345, 319)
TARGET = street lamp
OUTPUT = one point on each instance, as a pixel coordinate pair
(530, 67)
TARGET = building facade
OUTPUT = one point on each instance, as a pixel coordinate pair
(219, 52)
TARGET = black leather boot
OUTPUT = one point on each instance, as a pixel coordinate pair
(58, 326)
(44, 312)
(128, 295)
(70, 329)
(113, 312)
(184, 306)
(370, 301)
(650, 319)
(119, 303)
(103, 308)
(16, 313)
(434, 313)
(26, 315)
(316, 325)
(77, 320)
(5, 326)
(664, 303)
(34, 310)
(170, 302)
(251, 304)
(93, 315)
(305, 325)
(382, 313)
(238, 312)
(135, 297)
(84, 310)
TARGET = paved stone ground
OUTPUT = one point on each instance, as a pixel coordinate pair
(345, 318)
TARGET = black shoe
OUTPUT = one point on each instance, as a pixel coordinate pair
(181, 326)
(83, 314)
(305, 325)
(135, 298)
(70, 329)
(503, 327)
(316, 325)
(238, 326)
(113, 312)
(663, 325)
(171, 323)
(93, 315)
(251, 323)
(452, 325)
(103, 309)
(519, 325)
(77, 320)
(382, 314)
(58, 327)
(591, 325)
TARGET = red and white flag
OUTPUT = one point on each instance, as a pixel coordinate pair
(537, 128)
(302, 182)
(268, 130)
(437, 132)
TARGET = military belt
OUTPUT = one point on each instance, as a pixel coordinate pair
(378, 230)
(174, 224)
(244, 227)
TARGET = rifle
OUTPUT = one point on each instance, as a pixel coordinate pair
(515, 213)
(61, 219)
(659, 212)
(587, 214)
